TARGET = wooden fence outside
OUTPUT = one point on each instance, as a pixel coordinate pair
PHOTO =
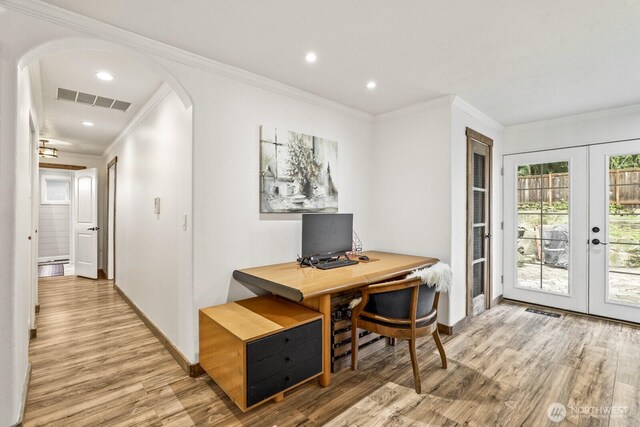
(624, 185)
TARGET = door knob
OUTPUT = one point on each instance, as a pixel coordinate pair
(598, 242)
(93, 229)
(595, 229)
(487, 236)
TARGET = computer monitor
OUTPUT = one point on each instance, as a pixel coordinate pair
(326, 235)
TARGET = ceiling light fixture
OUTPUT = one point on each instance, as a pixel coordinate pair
(87, 123)
(104, 75)
(47, 152)
(311, 57)
(371, 85)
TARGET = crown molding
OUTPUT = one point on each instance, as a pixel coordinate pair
(575, 118)
(442, 101)
(160, 94)
(474, 112)
(90, 26)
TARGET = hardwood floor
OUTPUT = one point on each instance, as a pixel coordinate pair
(95, 363)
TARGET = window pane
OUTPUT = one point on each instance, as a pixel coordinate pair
(624, 229)
(555, 279)
(478, 207)
(57, 191)
(478, 279)
(529, 275)
(478, 170)
(543, 226)
(478, 242)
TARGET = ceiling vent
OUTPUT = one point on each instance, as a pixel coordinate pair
(93, 100)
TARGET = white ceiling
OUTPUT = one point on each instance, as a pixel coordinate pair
(517, 61)
(76, 70)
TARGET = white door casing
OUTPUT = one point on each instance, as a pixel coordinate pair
(86, 223)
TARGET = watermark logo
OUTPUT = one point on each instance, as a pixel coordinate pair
(557, 412)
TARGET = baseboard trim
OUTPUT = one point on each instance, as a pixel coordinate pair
(191, 369)
(497, 300)
(25, 393)
(455, 328)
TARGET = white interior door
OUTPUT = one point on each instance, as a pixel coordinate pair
(545, 228)
(614, 254)
(86, 223)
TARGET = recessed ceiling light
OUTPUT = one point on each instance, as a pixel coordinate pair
(87, 123)
(371, 85)
(311, 57)
(103, 75)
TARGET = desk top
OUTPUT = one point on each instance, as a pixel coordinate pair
(296, 283)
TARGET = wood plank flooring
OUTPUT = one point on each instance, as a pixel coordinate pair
(96, 364)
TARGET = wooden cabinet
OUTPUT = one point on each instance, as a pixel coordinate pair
(257, 349)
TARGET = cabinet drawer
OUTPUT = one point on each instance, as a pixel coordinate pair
(283, 380)
(268, 346)
(261, 369)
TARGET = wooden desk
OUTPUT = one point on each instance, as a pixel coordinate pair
(313, 287)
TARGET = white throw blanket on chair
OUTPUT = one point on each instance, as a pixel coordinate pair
(438, 274)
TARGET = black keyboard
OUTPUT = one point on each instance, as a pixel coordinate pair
(327, 265)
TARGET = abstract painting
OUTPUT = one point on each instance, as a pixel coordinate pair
(298, 172)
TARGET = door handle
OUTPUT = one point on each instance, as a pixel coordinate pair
(598, 242)
(93, 229)
(487, 236)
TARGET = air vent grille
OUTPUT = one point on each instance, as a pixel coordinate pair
(93, 100)
(69, 95)
(104, 102)
(121, 105)
(86, 98)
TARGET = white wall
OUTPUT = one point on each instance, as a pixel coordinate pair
(153, 252)
(16, 316)
(411, 187)
(54, 222)
(229, 231)
(601, 126)
(465, 116)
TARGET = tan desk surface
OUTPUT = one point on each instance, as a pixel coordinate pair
(297, 283)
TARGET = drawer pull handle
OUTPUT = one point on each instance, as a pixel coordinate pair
(287, 360)
(287, 340)
(287, 379)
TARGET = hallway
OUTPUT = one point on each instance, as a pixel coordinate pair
(95, 363)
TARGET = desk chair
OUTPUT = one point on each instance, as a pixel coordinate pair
(404, 309)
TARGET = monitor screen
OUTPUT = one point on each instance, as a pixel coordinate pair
(326, 235)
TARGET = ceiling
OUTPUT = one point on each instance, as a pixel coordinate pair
(516, 61)
(76, 70)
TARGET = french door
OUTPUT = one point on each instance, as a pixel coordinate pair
(545, 227)
(614, 254)
(572, 229)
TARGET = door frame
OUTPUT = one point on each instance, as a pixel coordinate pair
(110, 235)
(473, 138)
